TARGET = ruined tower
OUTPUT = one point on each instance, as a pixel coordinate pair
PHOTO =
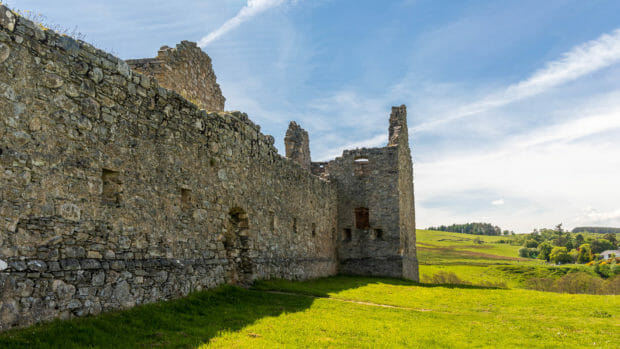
(375, 204)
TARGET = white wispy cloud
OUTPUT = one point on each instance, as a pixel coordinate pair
(497, 202)
(551, 173)
(581, 60)
(591, 215)
(251, 9)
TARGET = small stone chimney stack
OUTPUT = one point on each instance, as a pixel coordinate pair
(398, 126)
(297, 145)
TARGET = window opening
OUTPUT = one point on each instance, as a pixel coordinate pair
(377, 234)
(112, 188)
(361, 218)
(186, 199)
(361, 166)
(346, 234)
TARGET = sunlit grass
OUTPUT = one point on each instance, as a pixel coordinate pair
(361, 312)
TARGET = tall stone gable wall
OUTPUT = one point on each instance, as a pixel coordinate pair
(399, 137)
(115, 191)
(187, 70)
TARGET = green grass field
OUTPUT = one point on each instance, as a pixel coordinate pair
(479, 264)
(347, 311)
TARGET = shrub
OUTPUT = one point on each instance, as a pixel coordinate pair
(611, 285)
(528, 252)
(560, 255)
(585, 254)
(544, 250)
(531, 243)
(603, 269)
(445, 277)
(600, 245)
(578, 282)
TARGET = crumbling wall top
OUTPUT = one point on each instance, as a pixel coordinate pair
(187, 70)
(297, 144)
(398, 126)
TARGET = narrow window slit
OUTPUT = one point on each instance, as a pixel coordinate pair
(362, 220)
(346, 234)
(112, 188)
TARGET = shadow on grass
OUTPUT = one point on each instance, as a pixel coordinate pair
(183, 323)
(325, 286)
(191, 321)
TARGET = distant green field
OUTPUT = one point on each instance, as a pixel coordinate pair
(489, 262)
(439, 247)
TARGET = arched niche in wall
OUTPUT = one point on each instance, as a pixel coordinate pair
(237, 243)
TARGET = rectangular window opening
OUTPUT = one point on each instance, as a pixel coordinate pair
(346, 234)
(186, 199)
(377, 234)
(112, 188)
(272, 221)
(313, 229)
(362, 220)
(295, 225)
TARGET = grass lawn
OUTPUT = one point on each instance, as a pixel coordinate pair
(439, 247)
(345, 312)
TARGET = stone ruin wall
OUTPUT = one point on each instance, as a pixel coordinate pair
(116, 192)
(297, 145)
(187, 70)
(399, 137)
(376, 214)
(367, 184)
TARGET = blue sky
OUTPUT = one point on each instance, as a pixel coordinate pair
(514, 106)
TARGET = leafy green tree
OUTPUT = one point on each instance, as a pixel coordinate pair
(560, 255)
(531, 243)
(603, 269)
(574, 254)
(611, 238)
(600, 245)
(585, 254)
(544, 250)
(524, 252)
(528, 252)
(579, 240)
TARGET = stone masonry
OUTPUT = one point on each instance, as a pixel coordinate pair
(117, 191)
(297, 145)
(187, 70)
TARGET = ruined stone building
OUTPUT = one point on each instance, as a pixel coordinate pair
(123, 184)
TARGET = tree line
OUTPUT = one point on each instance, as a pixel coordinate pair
(473, 228)
(597, 230)
(562, 247)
